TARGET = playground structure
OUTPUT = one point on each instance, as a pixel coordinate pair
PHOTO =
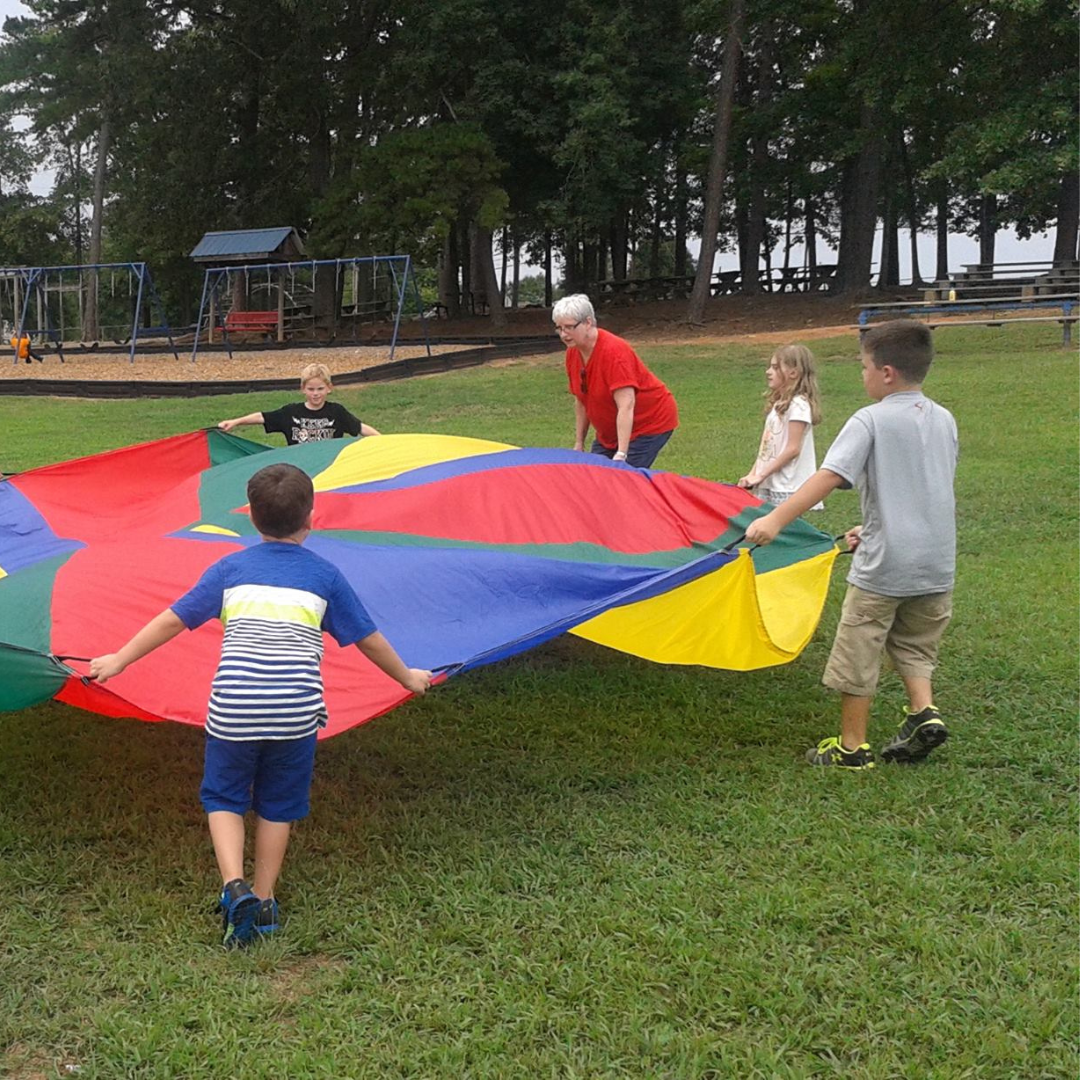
(55, 305)
(311, 301)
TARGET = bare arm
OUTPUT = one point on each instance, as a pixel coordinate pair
(241, 421)
(367, 429)
(765, 529)
(156, 632)
(792, 449)
(581, 425)
(625, 399)
(382, 654)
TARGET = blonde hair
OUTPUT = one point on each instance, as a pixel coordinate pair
(316, 371)
(800, 359)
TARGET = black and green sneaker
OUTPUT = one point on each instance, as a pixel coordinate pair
(918, 735)
(832, 752)
(239, 908)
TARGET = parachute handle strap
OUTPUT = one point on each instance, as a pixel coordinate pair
(844, 550)
(729, 548)
(84, 679)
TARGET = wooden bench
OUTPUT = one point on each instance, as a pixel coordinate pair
(257, 321)
(1065, 320)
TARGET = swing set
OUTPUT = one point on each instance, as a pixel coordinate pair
(46, 303)
(316, 301)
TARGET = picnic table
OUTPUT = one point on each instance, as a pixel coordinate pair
(632, 290)
(724, 283)
(802, 278)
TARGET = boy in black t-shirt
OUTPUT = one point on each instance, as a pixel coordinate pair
(311, 420)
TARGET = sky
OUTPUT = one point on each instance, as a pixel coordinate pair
(962, 249)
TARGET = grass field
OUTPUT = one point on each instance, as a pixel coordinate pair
(575, 863)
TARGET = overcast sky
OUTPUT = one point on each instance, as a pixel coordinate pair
(962, 249)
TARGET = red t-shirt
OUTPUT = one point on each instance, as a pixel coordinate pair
(613, 365)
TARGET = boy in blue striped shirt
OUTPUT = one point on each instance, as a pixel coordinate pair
(275, 599)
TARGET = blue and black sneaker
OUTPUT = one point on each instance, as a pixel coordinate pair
(239, 910)
(266, 922)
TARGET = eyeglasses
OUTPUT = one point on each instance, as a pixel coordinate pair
(568, 329)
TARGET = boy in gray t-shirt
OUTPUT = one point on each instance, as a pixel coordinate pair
(900, 454)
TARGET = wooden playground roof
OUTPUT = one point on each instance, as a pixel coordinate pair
(282, 244)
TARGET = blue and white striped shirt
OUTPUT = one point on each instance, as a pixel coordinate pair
(274, 600)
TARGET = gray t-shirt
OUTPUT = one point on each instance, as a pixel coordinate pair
(900, 453)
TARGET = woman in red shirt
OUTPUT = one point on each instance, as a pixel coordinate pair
(631, 410)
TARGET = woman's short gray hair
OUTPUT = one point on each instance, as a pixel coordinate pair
(577, 307)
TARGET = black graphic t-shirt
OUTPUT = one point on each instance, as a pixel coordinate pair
(299, 424)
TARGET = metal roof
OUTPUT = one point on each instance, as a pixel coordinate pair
(246, 243)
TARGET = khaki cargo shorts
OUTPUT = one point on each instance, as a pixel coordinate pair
(908, 628)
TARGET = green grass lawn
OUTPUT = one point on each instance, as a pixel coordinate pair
(579, 864)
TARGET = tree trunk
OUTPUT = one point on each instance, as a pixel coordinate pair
(987, 228)
(91, 329)
(941, 268)
(571, 265)
(504, 246)
(464, 248)
(789, 213)
(618, 247)
(325, 301)
(515, 288)
(75, 168)
(889, 272)
(547, 270)
(657, 221)
(449, 288)
(756, 227)
(1068, 218)
(485, 277)
(858, 207)
(714, 187)
(911, 207)
(588, 265)
(681, 210)
(319, 166)
(810, 232)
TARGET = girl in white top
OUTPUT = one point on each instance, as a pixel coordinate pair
(792, 407)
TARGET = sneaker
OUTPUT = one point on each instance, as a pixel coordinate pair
(918, 735)
(831, 752)
(239, 909)
(266, 921)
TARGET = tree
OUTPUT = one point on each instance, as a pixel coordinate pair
(79, 66)
(725, 97)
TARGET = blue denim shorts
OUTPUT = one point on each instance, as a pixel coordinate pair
(271, 775)
(641, 452)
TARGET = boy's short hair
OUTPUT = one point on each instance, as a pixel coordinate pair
(903, 344)
(280, 499)
(316, 371)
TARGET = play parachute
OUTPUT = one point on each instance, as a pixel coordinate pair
(463, 551)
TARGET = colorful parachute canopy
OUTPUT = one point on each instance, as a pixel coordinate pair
(463, 551)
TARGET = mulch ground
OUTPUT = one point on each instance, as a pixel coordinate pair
(243, 366)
